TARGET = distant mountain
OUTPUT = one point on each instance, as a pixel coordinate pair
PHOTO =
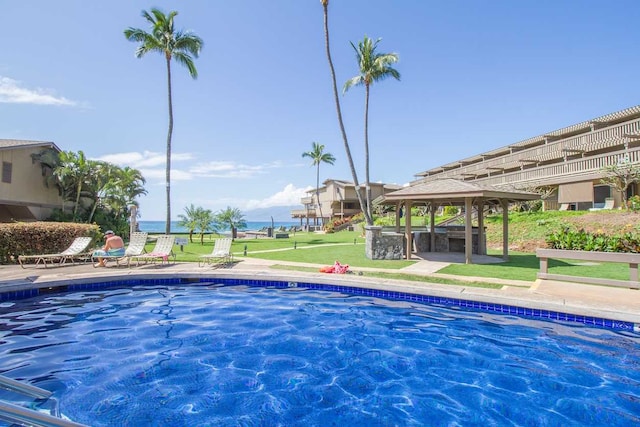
(279, 213)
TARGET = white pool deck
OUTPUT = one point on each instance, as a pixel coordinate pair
(572, 298)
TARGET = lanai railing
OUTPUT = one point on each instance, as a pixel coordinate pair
(574, 155)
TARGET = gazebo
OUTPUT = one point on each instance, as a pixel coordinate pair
(454, 192)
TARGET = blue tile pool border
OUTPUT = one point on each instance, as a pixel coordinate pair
(350, 290)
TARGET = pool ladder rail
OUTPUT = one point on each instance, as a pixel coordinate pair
(29, 417)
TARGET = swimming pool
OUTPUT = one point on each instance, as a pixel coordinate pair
(203, 354)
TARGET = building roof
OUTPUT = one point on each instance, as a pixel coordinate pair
(455, 191)
(579, 128)
(342, 183)
(7, 144)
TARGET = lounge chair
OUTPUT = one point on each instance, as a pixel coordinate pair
(136, 247)
(564, 207)
(221, 253)
(75, 251)
(609, 203)
(161, 251)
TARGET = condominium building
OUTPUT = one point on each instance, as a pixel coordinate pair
(336, 199)
(24, 195)
(569, 162)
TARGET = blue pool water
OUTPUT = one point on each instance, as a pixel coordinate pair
(235, 355)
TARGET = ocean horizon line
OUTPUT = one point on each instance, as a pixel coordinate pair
(158, 226)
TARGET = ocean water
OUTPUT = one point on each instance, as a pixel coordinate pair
(158, 226)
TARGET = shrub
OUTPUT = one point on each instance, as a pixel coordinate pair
(450, 210)
(328, 228)
(584, 241)
(32, 238)
(634, 203)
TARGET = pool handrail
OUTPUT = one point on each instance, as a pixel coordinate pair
(22, 388)
(19, 414)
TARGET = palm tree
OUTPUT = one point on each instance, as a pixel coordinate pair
(74, 173)
(205, 222)
(49, 159)
(317, 155)
(126, 185)
(190, 219)
(232, 217)
(373, 67)
(181, 45)
(130, 183)
(367, 217)
(103, 178)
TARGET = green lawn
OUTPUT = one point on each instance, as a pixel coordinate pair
(525, 266)
(401, 276)
(345, 246)
(348, 248)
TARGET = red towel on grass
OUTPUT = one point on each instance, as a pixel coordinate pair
(336, 268)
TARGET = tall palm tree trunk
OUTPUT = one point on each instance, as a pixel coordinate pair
(367, 217)
(93, 209)
(78, 193)
(169, 133)
(318, 193)
(366, 150)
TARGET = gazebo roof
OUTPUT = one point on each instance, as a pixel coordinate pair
(455, 192)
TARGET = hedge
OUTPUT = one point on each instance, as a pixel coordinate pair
(33, 238)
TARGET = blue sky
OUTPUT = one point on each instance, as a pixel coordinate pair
(476, 75)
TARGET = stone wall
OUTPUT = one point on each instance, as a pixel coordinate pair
(379, 245)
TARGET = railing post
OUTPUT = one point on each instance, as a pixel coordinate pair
(633, 272)
(543, 265)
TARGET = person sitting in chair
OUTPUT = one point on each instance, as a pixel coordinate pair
(113, 246)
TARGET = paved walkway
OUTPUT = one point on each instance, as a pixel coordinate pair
(574, 298)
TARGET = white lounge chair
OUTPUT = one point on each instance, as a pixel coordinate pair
(135, 248)
(77, 250)
(609, 203)
(162, 251)
(221, 253)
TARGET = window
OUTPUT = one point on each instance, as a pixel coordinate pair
(6, 172)
(601, 193)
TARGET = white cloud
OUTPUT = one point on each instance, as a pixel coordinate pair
(229, 169)
(146, 159)
(151, 164)
(290, 195)
(158, 176)
(12, 92)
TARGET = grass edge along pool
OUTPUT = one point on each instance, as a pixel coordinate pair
(538, 314)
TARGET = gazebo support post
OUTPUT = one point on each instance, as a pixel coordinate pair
(407, 227)
(505, 229)
(432, 223)
(398, 207)
(481, 235)
(468, 228)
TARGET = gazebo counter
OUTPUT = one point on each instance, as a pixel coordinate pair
(447, 239)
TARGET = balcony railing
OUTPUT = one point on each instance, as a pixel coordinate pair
(557, 154)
